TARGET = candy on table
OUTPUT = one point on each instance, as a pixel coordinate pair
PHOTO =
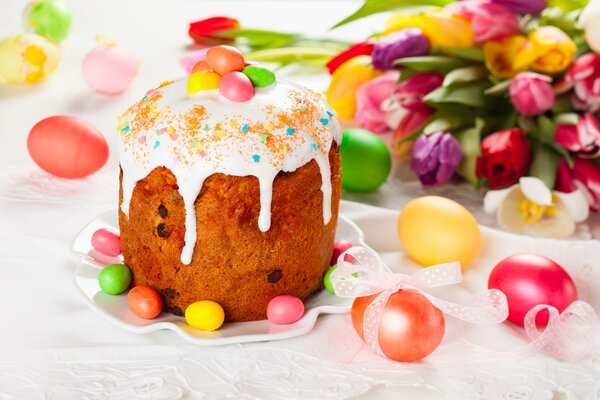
(366, 161)
(114, 279)
(49, 18)
(205, 315)
(435, 230)
(106, 242)
(327, 279)
(27, 58)
(109, 68)
(285, 309)
(144, 301)
(410, 327)
(339, 246)
(236, 87)
(528, 280)
(67, 147)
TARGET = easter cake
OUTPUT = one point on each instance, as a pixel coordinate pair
(226, 196)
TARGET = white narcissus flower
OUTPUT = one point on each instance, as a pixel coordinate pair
(589, 18)
(530, 208)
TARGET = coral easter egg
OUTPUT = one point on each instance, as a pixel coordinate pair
(67, 147)
(27, 58)
(528, 280)
(436, 230)
(144, 301)
(410, 328)
(49, 18)
(109, 68)
(236, 87)
(285, 309)
(223, 59)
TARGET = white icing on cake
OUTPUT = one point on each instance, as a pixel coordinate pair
(282, 128)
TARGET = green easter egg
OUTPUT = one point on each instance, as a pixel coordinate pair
(259, 76)
(327, 279)
(114, 279)
(366, 161)
(49, 18)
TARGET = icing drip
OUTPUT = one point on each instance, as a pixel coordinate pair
(282, 128)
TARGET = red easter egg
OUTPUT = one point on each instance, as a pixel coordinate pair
(223, 59)
(339, 246)
(144, 302)
(67, 147)
(530, 279)
(410, 328)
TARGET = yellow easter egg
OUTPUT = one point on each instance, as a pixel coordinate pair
(27, 58)
(436, 230)
(206, 315)
(203, 80)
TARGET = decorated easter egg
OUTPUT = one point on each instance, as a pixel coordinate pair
(528, 280)
(114, 278)
(285, 309)
(206, 315)
(410, 327)
(106, 242)
(236, 87)
(27, 58)
(109, 68)
(223, 59)
(436, 230)
(327, 279)
(67, 147)
(203, 80)
(49, 18)
(259, 76)
(339, 246)
(144, 301)
(366, 161)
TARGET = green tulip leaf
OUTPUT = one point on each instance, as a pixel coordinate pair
(465, 74)
(468, 53)
(568, 5)
(468, 94)
(499, 88)
(442, 64)
(544, 164)
(469, 140)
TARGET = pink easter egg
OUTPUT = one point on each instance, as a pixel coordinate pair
(339, 246)
(67, 147)
(236, 86)
(109, 69)
(528, 280)
(106, 242)
(285, 309)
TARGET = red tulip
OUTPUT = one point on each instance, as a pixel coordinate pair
(505, 157)
(584, 175)
(357, 49)
(583, 138)
(583, 77)
(203, 31)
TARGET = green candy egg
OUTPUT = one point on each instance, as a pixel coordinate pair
(259, 76)
(366, 161)
(114, 278)
(49, 18)
(327, 279)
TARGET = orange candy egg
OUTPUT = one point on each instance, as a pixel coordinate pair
(224, 59)
(144, 302)
(201, 66)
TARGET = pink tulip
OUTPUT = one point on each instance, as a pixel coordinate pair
(584, 77)
(409, 124)
(584, 175)
(409, 93)
(489, 21)
(583, 138)
(531, 93)
(369, 97)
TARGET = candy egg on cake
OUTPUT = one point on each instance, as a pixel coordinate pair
(229, 192)
(27, 58)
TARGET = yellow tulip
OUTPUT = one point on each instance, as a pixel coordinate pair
(554, 48)
(440, 26)
(508, 57)
(341, 94)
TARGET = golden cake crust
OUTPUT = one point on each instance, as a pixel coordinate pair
(234, 263)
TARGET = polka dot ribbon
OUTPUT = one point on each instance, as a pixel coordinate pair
(361, 272)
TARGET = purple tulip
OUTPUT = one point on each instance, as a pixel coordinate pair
(408, 42)
(534, 7)
(435, 157)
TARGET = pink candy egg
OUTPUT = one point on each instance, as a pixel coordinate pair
(528, 280)
(339, 247)
(67, 147)
(106, 242)
(109, 69)
(236, 86)
(189, 60)
(285, 309)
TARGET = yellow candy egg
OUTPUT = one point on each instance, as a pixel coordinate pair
(203, 80)
(27, 58)
(435, 230)
(206, 315)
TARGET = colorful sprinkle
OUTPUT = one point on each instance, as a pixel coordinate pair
(245, 128)
(263, 138)
(125, 129)
(156, 144)
(302, 109)
(157, 132)
(325, 121)
(314, 146)
(206, 128)
(142, 139)
(290, 131)
(330, 114)
(269, 126)
(174, 136)
(256, 158)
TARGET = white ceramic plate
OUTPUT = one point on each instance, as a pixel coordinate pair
(115, 309)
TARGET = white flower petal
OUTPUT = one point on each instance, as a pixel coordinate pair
(557, 227)
(509, 216)
(536, 191)
(576, 204)
(493, 199)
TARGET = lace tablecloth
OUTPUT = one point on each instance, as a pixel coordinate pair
(53, 346)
